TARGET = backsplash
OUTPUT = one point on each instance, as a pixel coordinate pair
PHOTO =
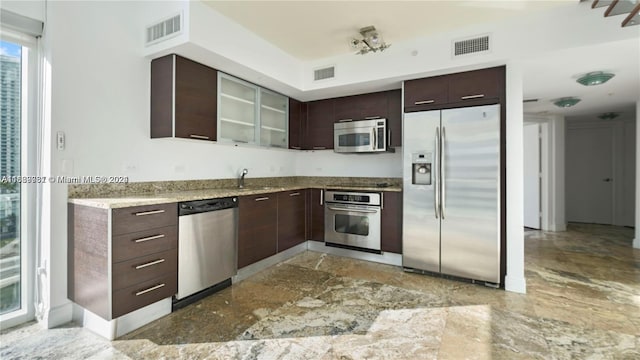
(79, 191)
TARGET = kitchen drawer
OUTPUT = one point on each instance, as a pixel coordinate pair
(134, 297)
(141, 269)
(426, 92)
(145, 242)
(138, 218)
(475, 85)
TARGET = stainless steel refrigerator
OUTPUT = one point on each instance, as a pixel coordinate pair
(451, 178)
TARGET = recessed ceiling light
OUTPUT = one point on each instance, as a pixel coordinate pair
(608, 116)
(566, 102)
(595, 78)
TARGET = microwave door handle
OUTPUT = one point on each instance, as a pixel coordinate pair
(375, 139)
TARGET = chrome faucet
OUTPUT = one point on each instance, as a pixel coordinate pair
(241, 179)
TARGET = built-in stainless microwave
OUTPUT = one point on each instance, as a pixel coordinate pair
(360, 136)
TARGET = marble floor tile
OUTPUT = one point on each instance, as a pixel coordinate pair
(582, 302)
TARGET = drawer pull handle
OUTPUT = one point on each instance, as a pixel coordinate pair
(150, 263)
(199, 137)
(262, 199)
(296, 147)
(469, 97)
(149, 212)
(150, 289)
(319, 148)
(372, 117)
(424, 102)
(294, 194)
(345, 120)
(160, 236)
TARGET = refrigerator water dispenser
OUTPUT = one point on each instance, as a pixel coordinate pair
(421, 168)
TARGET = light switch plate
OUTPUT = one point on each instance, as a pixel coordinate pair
(60, 141)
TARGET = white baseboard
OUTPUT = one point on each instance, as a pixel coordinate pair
(255, 268)
(557, 227)
(111, 329)
(384, 258)
(515, 284)
(58, 315)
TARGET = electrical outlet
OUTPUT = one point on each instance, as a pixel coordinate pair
(60, 141)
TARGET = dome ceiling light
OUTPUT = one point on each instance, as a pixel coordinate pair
(595, 78)
(371, 41)
(566, 102)
(608, 116)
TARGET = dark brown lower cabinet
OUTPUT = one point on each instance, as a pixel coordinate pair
(316, 217)
(291, 218)
(122, 259)
(391, 232)
(257, 228)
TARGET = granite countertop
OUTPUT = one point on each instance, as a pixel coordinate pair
(121, 201)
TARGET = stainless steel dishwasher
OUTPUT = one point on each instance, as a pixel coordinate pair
(207, 247)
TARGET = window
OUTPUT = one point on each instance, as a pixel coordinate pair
(11, 60)
(18, 77)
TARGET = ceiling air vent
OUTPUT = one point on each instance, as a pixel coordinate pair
(164, 29)
(529, 100)
(474, 45)
(324, 73)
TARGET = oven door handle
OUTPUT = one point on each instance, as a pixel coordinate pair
(353, 210)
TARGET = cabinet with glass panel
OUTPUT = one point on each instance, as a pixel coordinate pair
(250, 114)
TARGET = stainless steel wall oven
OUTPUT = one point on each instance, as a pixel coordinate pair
(352, 220)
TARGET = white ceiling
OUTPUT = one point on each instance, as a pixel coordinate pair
(310, 30)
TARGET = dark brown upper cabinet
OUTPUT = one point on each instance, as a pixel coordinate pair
(427, 91)
(183, 99)
(469, 88)
(359, 107)
(394, 117)
(297, 112)
(475, 85)
(319, 125)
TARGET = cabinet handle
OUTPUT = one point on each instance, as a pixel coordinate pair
(159, 236)
(199, 137)
(469, 97)
(149, 212)
(372, 117)
(319, 148)
(296, 147)
(150, 289)
(424, 102)
(381, 200)
(262, 199)
(345, 120)
(150, 263)
(321, 196)
(294, 194)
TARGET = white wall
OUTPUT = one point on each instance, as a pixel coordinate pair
(531, 167)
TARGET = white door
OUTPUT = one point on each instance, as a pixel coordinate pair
(589, 175)
(532, 176)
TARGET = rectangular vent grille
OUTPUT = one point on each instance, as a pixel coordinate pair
(471, 46)
(164, 29)
(326, 73)
(529, 100)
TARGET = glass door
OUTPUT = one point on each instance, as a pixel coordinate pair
(237, 110)
(274, 119)
(11, 246)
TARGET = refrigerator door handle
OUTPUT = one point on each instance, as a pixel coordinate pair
(436, 172)
(443, 175)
